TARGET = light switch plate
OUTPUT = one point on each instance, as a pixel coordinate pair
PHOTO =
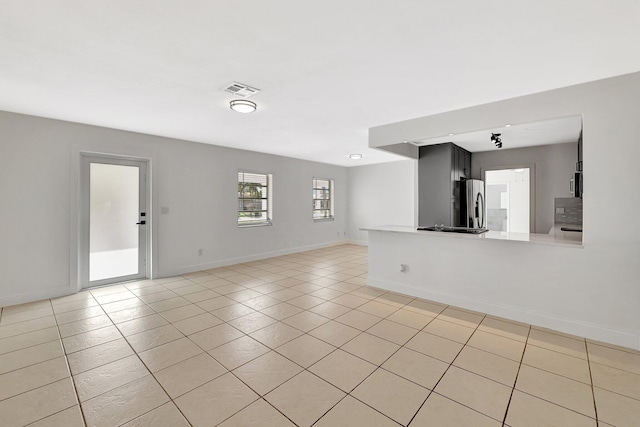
(164, 210)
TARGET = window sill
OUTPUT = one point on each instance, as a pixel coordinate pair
(323, 219)
(261, 224)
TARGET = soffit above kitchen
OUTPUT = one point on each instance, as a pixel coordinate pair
(327, 71)
(547, 132)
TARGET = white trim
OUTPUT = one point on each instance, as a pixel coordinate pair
(269, 220)
(508, 312)
(357, 242)
(248, 258)
(75, 208)
(332, 184)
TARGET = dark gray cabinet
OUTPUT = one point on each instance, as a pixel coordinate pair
(440, 169)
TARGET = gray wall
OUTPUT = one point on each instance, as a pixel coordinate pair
(554, 166)
(198, 182)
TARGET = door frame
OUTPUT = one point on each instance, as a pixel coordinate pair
(80, 239)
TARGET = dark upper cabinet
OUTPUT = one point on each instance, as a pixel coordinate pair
(467, 165)
(440, 169)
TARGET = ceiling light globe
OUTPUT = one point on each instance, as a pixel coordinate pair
(243, 106)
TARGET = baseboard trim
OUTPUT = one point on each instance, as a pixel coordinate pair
(544, 320)
(238, 260)
(357, 242)
(56, 292)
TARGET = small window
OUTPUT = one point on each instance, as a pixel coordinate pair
(254, 199)
(322, 199)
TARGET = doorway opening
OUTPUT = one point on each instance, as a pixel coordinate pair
(115, 220)
(508, 199)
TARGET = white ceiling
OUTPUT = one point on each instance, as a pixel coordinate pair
(556, 131)
(328, 70)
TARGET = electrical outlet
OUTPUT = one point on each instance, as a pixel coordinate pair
(199, 252)
(403, 268)
(559, 210)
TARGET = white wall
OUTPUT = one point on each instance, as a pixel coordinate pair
(553, 167)
(381, 194)
(198, 182)
(598, 289)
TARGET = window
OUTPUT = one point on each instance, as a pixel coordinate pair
(322, 199)
(254, 199)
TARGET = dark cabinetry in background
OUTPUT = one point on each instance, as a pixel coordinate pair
(440, 169)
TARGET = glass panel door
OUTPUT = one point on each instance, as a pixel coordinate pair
(116, 219)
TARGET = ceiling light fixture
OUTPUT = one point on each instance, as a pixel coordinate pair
(450, 134)
(495, 138)
(507, 125)
(243, 106)
(355, 156)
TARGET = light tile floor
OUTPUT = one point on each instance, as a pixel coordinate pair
(297, 340)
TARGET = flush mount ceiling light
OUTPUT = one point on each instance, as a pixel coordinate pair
(495, 138)
(243, 106)
(355, 156)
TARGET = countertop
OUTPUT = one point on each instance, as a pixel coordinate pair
(543, 239)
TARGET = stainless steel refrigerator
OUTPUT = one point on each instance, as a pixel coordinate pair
(472, 207)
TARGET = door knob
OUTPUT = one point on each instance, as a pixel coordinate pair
(141, 223)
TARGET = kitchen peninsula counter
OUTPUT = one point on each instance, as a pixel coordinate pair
(523, 277)
(552, 239)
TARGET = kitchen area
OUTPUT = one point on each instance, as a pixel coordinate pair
(525, 182)
(572, 269)
(495, 209)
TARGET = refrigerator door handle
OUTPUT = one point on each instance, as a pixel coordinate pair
(480, 210)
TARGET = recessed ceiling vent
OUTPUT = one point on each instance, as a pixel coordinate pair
(240, 89)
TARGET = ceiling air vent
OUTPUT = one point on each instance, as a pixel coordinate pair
(241, 89)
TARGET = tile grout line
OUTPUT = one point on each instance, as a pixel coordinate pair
(303, 333)
(377, 366)
(506, 411)
(122, 336)
(303, 368)
(432, 390)
(113, 324)
(66, 360)
(593, 392)
(146, 367)
(261, 397)
(289, 268)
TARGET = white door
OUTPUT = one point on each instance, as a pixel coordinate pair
(114, 220)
